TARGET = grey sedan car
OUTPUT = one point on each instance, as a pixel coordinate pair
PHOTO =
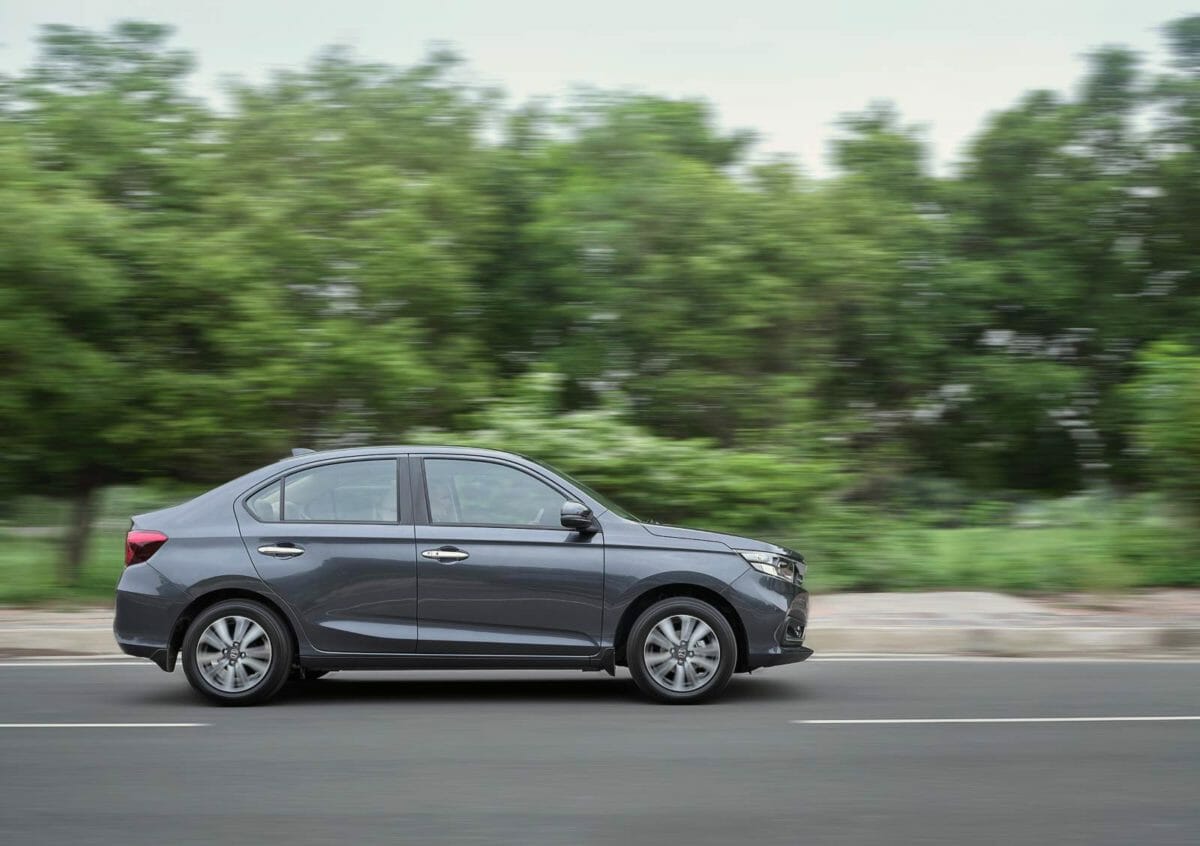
(393, 558)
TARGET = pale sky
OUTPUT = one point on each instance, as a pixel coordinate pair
(784, 68)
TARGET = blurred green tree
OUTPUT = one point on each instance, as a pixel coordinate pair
(112, 368)
(1166, 398)
(352, 251)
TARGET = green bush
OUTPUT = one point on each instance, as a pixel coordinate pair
(669, 480)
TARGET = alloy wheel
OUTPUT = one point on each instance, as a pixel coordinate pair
(682, 653)
(234, 654)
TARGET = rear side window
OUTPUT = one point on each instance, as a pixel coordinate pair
(265, 504)
(355, 491)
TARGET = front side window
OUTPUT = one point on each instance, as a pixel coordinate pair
(483, 493)
(354, 491)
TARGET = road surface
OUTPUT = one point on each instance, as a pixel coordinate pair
(124, 754)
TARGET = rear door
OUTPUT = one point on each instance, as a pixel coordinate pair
(335, 541)
(498, 574)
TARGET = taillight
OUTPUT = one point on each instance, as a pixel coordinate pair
(140, 545)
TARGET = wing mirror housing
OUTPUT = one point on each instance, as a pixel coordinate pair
(577, 517)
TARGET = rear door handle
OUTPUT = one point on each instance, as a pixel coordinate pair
(446, 555)
(283, 550)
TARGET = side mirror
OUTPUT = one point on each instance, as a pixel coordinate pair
(576, 516)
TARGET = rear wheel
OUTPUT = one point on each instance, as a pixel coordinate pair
(681, 651)
(237, 652)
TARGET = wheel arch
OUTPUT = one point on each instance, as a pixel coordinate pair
(198, 605)
(673, 591)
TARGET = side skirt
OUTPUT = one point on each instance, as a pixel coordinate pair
(448, 662)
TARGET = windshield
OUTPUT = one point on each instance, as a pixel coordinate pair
(599, 497)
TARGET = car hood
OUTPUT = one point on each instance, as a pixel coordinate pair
(731, 541)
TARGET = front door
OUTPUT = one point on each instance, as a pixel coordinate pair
(335, 542)
(497, 573)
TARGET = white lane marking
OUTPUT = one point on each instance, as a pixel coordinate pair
(997, 659)
(79, 656)
(69, 629)
(952, 627)
(44, 664)
(99, 725)
(939, 720)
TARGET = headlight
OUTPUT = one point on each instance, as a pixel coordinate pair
(772, 564)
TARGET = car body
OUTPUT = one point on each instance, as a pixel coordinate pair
(444, 557)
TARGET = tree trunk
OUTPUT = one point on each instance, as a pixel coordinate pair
(79, 530)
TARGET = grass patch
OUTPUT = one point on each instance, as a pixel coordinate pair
(30, 544)
(28, 572)
(1084, 543)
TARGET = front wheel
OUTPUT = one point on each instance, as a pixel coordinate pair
(681, 651)
(237, 652)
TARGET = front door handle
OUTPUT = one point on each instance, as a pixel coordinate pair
(283, 550)
(446, 555)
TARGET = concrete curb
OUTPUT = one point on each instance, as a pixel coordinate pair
(1006, 640)
(44, 640)
(1011, 641)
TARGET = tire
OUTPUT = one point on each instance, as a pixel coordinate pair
(260, 663)
(708, 656)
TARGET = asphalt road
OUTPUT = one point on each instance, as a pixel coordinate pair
(573, 758)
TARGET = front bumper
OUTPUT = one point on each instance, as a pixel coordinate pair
(785, 655)
(774, 614)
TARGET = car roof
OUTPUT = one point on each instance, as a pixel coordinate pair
(401, 449)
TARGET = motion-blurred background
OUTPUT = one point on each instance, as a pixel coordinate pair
(923, 363)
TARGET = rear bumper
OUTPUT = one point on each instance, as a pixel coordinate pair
(146, 610)
(160, 655)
